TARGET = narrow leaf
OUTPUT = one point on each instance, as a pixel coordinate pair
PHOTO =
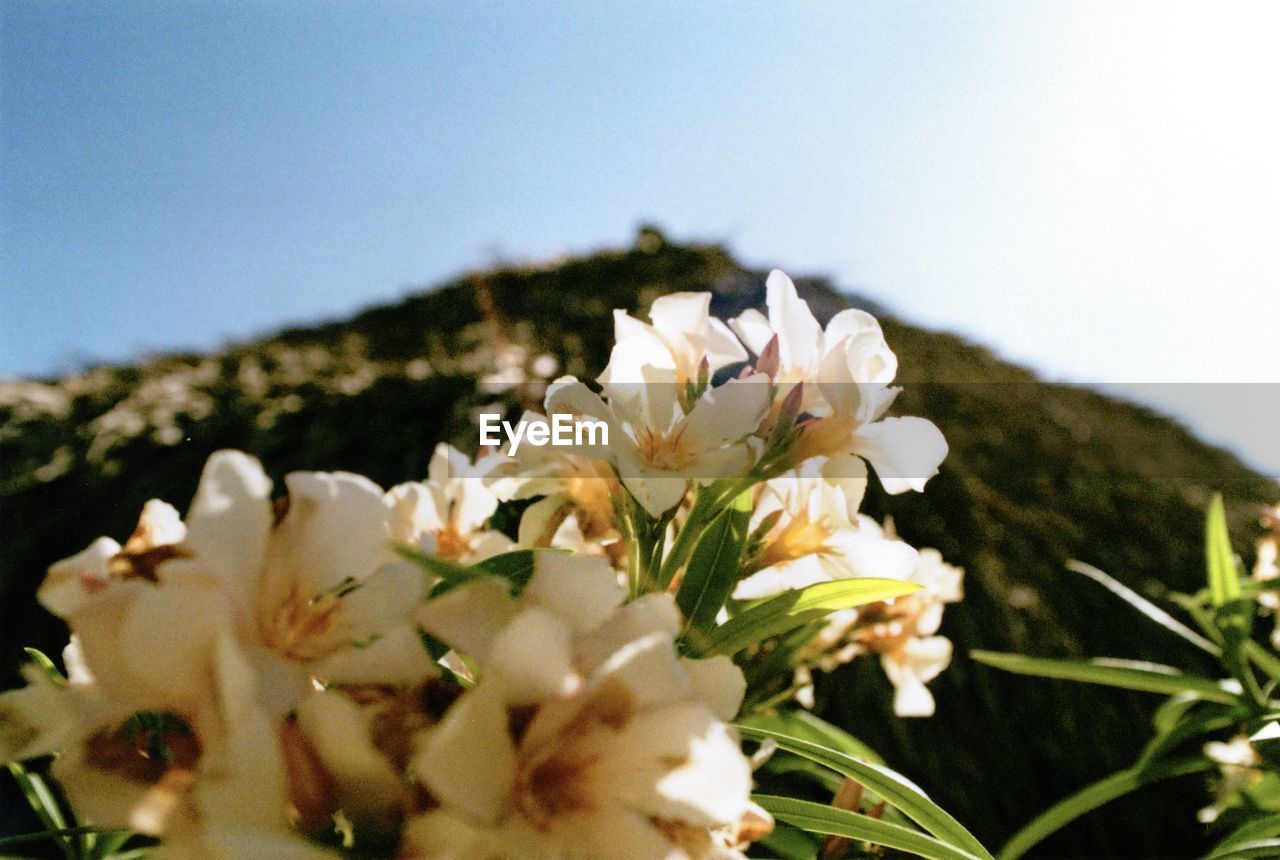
(1192, 725)
(43, 803)
(443, 569)
(46, 665)
(1093, 796)
(1265, 848)
(1224, 581)
(714, 565)
(1146, 607)
(516, 567)
(818, 818)
(1263, 658)
(1127, 674)
(807, 727)
(61, 833)
(895, 789)
(1267, 827)
(789, 843)
(793, 608)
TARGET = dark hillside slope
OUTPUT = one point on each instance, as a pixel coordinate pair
(1037, 474)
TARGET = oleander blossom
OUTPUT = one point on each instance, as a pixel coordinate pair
(811, 539)
(843, 373)
(1239, 767)
(447, 515)
(1266, 568)
(586, 736)
(659, 447)
(224, 624)
(684, 338)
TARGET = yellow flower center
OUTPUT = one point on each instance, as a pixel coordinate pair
(798, 538)
(451, 543)
(294, 629)
(669, 453)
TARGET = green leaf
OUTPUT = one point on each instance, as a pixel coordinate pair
(1209, 718)
(893, 788)
(1263, 658)
(819, 818)
(1146, 607)
(1172, 710)
(108, 844)
(806, 727)
(793, 608)
(1267, 848)
(700, 514)
(450, 573)
(789, 843)
(783, 763)
(1093, 796)
(46, 665)
(516, 567)
(1194, 605)
(714, 566)
(44, 803)
(1224, 581)
(1128, 674)
(1266, 827)
(63, 833)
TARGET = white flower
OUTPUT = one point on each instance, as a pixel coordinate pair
(447, 514)
(812, 540)
(655, 446)
(845, 370)
(902, 632)
(684, 338)
(1266, 570)
(226, 622)
(586, 736)
(1238, 764)
(852, 346)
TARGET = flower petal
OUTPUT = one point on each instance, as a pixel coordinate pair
(468, 762)
(905, 452)
(70, 582)
(335, 532)
(167, 640)
(799, 335)
(680, 762)
(753, 328)
(470, 616)
(720, 684)
(367, 786)
(396, 658)
(729, 412)
(531, 658)
(581, 591)
(229, 521)
(849, 473)
(722, 347)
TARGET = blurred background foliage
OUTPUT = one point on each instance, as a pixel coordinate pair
(1037, 474)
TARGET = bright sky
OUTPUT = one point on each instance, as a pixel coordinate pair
(1092, 189)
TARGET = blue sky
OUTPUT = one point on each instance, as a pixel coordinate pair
(1092, 189)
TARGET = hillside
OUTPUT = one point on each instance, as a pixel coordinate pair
(1037, 474)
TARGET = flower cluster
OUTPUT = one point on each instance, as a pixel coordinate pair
(347, 667)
